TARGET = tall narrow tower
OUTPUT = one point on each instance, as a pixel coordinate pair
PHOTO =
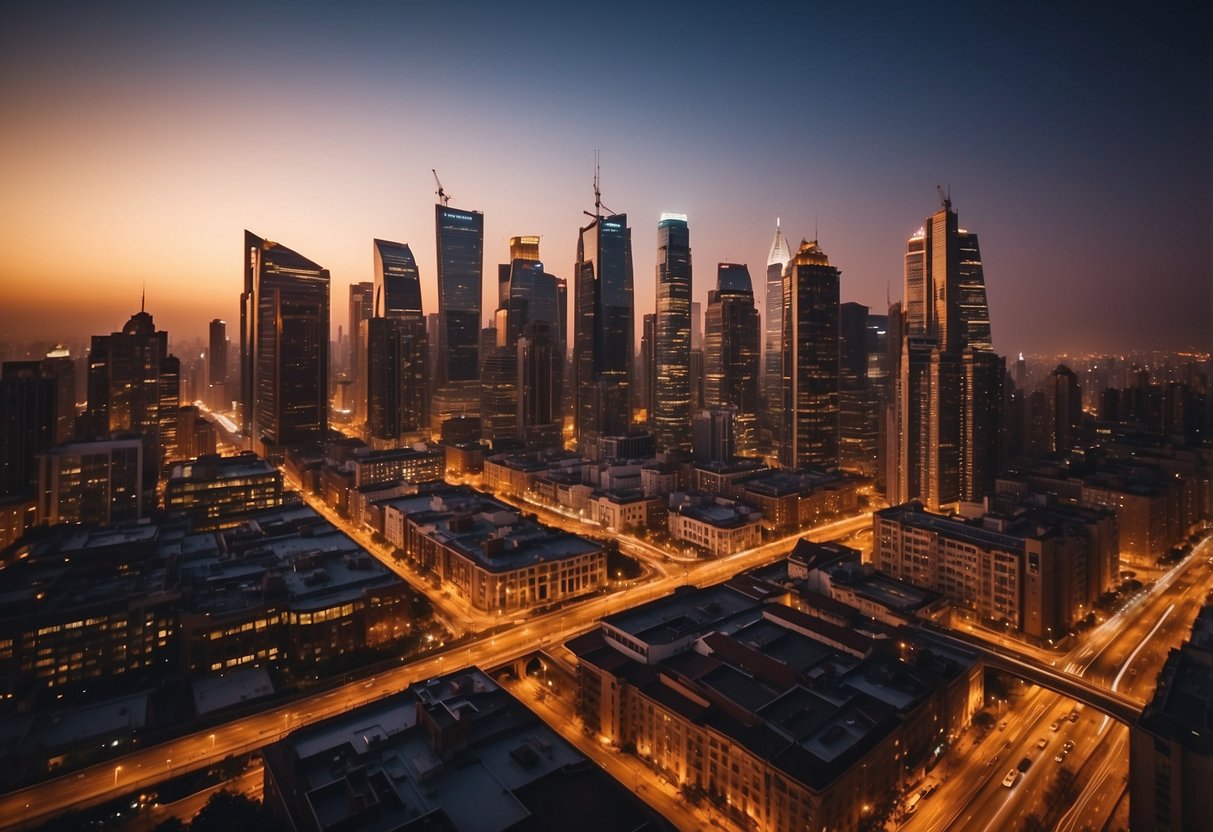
(671, 419)
(602, 339)
(772, 373)
(460, 236)
(730, 353)
(397, 350)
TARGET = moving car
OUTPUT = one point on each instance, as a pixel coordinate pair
(1012, 778)
(1042, 742)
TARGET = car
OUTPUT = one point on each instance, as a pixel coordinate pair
(1074, 716)
(1024, 764)
(928, 790)
(1002, 726)
(1042, 742)
(1060, 756)
(993, 761)
(1011, 779)
(1056, 725)
(912, 803)
(1068, 745)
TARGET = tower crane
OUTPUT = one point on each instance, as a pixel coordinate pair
(443, 196)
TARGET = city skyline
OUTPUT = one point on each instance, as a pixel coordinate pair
(152, 159)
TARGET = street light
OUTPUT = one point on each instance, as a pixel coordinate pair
(116, 770)
(212, 743)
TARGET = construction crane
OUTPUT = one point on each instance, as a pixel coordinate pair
(598, 206)
(443, 196)
(945, 199)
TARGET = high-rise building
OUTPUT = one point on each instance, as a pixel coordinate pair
(123, 378)
(731, 352)
(810, 360)
(648, 371)
(602, 343)
(671, 417)
(362, 309)
(60, 366)
(217, 394)
(858, 402)
(713, 435)
(937, 412)
(460, 237)
(397, 350)
(91, 482)
(1064, 402)
(523, 379)
(170, 404)
(284, 347)
(28, 421)
(772, 367)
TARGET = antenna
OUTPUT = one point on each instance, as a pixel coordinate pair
(143, 299)
(598, 206)
(443, 196)
(945, 199)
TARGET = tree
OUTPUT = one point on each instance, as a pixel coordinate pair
(228, 811)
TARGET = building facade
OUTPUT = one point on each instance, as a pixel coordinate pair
(671, 417)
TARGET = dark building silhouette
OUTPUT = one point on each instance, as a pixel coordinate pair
(1063, 398)
(397, 350)
(362, 309)
(647, 372)
(731, 352)
(217, 393)
(602, 340)
(60, 366)
(810, 360)
(28, 421)
(671, 416)
(284, 347)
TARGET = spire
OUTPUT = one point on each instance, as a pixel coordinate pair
(143, 299)
(781, 253)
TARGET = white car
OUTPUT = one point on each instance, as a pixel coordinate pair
(1042, 742)
(1012, 778)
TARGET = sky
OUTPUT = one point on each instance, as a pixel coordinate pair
(138, 141)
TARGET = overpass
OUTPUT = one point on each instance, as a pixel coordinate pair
(1116, 705)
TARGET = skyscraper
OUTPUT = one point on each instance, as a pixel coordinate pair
(540, 371)
(648, 372)
(810, 360)
(460, 237)
(217, 353)
(772, 373)
(602, 345)
(731, 353)
(60, 366)
(284, 347)
(27, 424)
(671, 418)
(397, 350)
(1063, 399)
(362, 309)
(857, 409)
(946, 423)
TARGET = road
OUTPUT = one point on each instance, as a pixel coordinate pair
(143, 768)
(1124, 654)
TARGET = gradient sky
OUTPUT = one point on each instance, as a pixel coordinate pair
(138, 140)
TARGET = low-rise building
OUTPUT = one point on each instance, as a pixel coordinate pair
(628, 510)
(496, 558)
(452, 754)
(784, 721)
(718, 526)
(212, 489)
(91, 482)
(791, 500)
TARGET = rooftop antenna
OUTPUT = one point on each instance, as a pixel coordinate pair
(443, 196)
(143, 299)
(598, 206)
(945, 198)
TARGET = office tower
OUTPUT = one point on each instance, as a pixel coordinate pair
(284, 347)
(170, 402)
(396, 381)
(28, 422)
(938, 412)
(1064, 403)
(1021, 372)
(731, 352)
(460, 238)
(648, 370)
(696, 357)
(524, 373)
(810, 360)
(981, 423)
(671, 418)
(540, 372)
(362, 309)
(772, 367)
(91, 482)
(602, 340)
(713, 435)
(61, 367)
(888, 471)
(123, 378)
(217, 353)
(858, 402)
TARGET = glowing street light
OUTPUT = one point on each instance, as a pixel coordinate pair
(116, 770)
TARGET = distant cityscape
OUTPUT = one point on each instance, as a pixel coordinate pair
(803, 566)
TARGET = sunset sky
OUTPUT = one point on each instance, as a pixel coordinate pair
(139, 140)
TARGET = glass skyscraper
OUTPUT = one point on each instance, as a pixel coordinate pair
(284, 347)
(602, 342)
(671, 417)
(397, 389)
(460, 237)
(730, 349)
(810, 360)
(772, 372)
